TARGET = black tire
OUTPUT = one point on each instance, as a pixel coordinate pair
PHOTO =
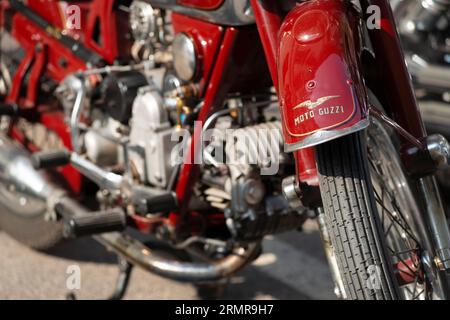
(33, 230)
(352, 220)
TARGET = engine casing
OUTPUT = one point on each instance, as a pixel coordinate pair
(150, 137)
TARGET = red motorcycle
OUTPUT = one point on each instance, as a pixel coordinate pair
(209, 124)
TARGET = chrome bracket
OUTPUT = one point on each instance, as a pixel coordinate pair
(292, 193)
(421, 157)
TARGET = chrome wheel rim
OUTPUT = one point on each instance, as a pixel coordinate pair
(398, 211)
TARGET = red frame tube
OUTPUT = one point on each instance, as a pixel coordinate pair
(214, 97)
(268, 16)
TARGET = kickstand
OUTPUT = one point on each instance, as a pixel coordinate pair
(123, 279)
(122, 282)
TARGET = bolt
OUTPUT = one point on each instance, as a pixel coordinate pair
(439, 264)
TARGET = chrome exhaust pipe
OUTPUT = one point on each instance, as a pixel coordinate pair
(22, 188)
(138, 254)
(428, 75)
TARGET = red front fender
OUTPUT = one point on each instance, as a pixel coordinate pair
(322, 96)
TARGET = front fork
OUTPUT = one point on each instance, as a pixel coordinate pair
(437, 221)
(393, 86)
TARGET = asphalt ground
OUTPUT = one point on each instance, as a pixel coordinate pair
(292, 266)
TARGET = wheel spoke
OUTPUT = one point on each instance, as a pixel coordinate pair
(418, 295)
(393, 218)
(398, 233)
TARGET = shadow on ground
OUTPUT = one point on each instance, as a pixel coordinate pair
(250, 283)
(83, 249)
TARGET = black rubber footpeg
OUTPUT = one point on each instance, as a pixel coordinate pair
(9, 109)
(153, 202)
(95, 223)
(50, 159)
(79, 222)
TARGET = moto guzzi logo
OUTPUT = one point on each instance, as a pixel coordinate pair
(311, 106)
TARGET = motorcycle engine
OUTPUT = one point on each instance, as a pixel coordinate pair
(132, 122)
(248, 188)
(127, 118)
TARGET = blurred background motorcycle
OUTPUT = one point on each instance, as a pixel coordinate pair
(424, 28)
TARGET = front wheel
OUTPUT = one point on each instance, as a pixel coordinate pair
(371, 217)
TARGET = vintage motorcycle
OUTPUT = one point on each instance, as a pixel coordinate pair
(117, 114)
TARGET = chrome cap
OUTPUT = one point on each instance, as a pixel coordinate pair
(439, 149)
(185, 57)
(142, 21)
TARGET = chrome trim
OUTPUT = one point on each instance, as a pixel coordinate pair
(413, 15)
(292, 192)
(24, 190)
(185, 57)
(437, 220)
(439, 149)
(103, 178)
(138, 254)
(428, 75)
(142, 21)
(231, 13)
(435, 115)
(325, 136)
(72, 92)
(387, 171)
(339, 288)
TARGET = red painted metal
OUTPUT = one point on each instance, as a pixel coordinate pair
(268, 16)
(13, 95)
(207, 37)
(393, 84)
(214, 97)
(102, 13)
(237, 67)
(320, 86)
(50, 10)
(35, 76)
(45, 55)
(409, 271)
(305, 161)
(202, 4)
(31, 36)
(54, 121)
(91, 12)
(60, 60)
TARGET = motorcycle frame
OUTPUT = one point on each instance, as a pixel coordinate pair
(393, 86)
(222, 57)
